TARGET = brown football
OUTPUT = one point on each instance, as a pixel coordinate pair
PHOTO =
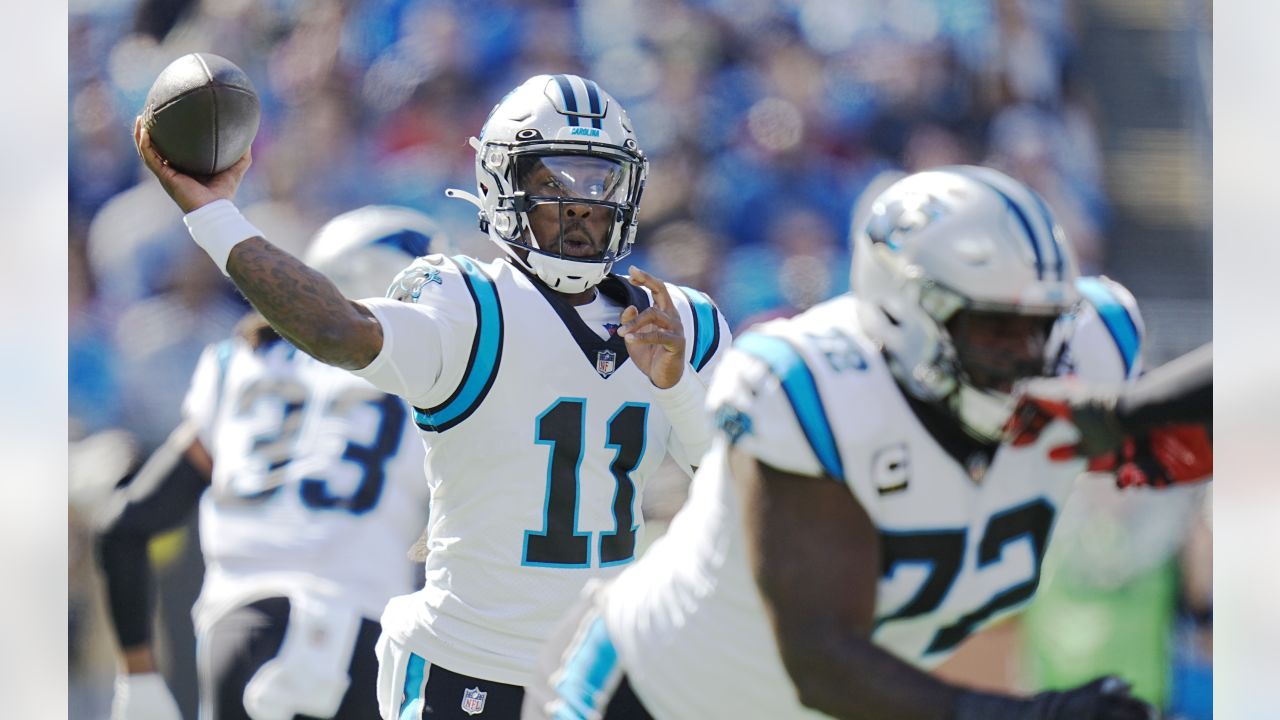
(202, 113)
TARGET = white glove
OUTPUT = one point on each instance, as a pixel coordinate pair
(143, 696)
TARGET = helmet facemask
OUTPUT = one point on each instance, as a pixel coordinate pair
(559, 183)
(994, 350)
(962, 273)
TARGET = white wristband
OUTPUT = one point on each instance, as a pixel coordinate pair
(684, 405)
(218, 227)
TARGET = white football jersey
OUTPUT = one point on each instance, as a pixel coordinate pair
(962, 539)
(540, 435)
(317, 480)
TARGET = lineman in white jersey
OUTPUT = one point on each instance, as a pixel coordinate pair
(858, 517)
(546, 388)
(310, 488)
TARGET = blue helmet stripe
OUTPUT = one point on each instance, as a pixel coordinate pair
(486, 354)
(1115, 316)
(786, 363)
(570, 100)
(593, 99)
(1059, 262)
(410, 242)
(587, 673)
(1017, 211)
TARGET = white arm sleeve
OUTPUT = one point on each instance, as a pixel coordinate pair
(425, 341)
(684, 403)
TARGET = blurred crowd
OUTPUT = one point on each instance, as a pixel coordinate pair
(763, 120)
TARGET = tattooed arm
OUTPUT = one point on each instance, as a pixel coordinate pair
(304, 306)
(299, 302)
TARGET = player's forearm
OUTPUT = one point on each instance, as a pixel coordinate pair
(304, 306)
(849, 677)
(1180, 391)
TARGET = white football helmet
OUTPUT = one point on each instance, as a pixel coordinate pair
(362, 251)
(942, 248)
(583, 137)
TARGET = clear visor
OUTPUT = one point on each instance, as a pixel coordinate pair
(583, 177)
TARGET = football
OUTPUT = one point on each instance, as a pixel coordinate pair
(202, 113)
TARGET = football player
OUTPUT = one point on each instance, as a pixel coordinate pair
(547, 389)
(858, 516)
(310, 487)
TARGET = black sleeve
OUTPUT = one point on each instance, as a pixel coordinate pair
(152, 500)
(1180, 391)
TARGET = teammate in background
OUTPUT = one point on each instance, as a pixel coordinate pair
(857, 517)
(547, 389)
(310, 488)
(1156, 432)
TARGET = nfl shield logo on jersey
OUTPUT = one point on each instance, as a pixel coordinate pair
(473, 701)
(606, 363)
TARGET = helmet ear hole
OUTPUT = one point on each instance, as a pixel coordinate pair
(529, 134)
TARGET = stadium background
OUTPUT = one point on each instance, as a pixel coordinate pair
(763, 121)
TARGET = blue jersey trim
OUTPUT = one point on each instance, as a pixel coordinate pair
(577, 482)
(586, 673)
(802, 390)
(617, 486)
(486, 354)
(1115, 316)
(706, 328)
(414, 676)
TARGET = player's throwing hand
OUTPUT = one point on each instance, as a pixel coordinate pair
(188, 192)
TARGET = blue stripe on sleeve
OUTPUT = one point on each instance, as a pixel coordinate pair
(706, 328)
(486, 354)
(785, 362)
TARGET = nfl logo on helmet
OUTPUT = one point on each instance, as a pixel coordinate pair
(473, 701)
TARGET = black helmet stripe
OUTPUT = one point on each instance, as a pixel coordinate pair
(570, 99)
(593, 99)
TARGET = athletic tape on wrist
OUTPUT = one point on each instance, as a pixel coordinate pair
(218, 227)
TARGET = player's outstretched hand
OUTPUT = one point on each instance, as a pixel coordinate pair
(189, 192)
(143, 696)
(655, 337)
(1090, 409)
(1167, 455)
(1106, 698)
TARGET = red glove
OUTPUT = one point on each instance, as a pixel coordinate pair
(1166, 455)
